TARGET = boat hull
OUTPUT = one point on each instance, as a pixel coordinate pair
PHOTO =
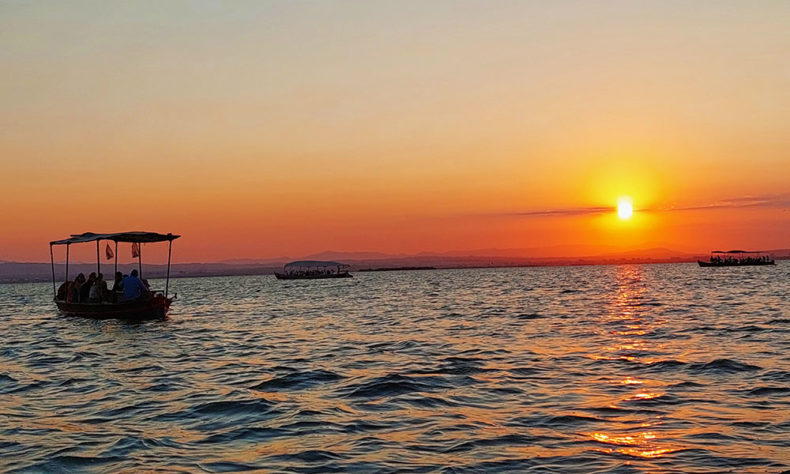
(152, 308)
(732, 264)
(285, 276)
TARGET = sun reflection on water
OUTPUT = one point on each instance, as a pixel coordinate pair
(631, 323)
(641, 445)
(631, 381)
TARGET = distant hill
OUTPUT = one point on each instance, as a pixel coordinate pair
(333, 255)
(256, 261)
(649, 253)
(537, 252)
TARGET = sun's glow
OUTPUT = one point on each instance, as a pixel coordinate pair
(625, 208)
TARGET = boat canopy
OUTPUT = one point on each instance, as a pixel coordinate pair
(313, 263)
(135, 236)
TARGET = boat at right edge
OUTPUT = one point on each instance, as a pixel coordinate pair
(736, 258)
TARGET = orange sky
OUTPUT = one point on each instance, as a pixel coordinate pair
(265, 129)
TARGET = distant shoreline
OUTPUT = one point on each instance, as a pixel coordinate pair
(395, 269)
(203, 270)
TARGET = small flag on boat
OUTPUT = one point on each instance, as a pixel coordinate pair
(135, 250)
(108, 251)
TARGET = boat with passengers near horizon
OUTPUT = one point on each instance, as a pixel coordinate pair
(153, 305)
(313, 270)
(736, 258)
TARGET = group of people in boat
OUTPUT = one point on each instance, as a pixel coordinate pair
(740, 260)
(94, 289)
(312, 272)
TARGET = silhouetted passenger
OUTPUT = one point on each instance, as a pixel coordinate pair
(116, 286)
(133, 287)
(98, 291)
(63, 290)
(73, 294)
(85, 289)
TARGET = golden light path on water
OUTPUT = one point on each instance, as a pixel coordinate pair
(572, 369)
(642, 442)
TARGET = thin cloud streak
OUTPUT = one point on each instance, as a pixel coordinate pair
(766, 201)
(572, 211)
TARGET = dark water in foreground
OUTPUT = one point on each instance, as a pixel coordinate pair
(627, 368)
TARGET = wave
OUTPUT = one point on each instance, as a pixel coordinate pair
(662, 365)
(724, 366)
(505, 440)
(529, 316)
(227, 466)
(462, 366)
(219, 415)
(716, 366)
(246, 434)
(686, 384)
(232, 407)
(555, 422)
(762, 391)
(777, 376)
(74, 463)
(7, 379)
(298, 381)
(391, 385)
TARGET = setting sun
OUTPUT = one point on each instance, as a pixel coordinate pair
(624, 208)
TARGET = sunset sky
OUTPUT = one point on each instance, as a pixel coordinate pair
(265, 129)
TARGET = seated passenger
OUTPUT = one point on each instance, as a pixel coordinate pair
(117, 287)
(85, 289)
(63, 291)
(98, 290)
(133, 287)
(73, 295)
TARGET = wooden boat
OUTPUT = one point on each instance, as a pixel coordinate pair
(285, 276)
(155, 307)
(313, 270)
(152, 306)
(736, 258)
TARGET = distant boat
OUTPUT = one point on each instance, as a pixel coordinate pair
(153, 306)
(313, 270)
(736, 258)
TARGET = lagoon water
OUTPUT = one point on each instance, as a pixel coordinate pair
(567, 369)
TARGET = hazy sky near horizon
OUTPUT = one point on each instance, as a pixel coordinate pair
(261, 129)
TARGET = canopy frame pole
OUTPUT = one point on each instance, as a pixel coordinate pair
(52, 262)
(98, 260)
(67, 261)
(116, 259)
(169, 253)
(140, 259)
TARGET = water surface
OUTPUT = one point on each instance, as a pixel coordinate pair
(567, 369)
